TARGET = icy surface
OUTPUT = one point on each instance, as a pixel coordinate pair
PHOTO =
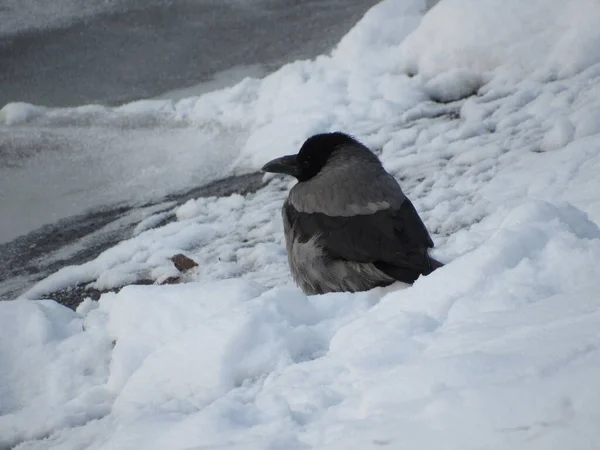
(498, 349)
(89, 167)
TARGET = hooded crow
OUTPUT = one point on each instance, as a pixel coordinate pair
(348, 225)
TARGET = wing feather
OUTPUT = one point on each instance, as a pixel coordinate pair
(395, 237)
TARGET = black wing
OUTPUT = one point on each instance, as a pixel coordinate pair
(396, 241)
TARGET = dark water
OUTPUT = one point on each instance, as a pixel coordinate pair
(144, 48)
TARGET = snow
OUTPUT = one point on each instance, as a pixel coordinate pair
(52, 372)
(457, 358)
(549, 37)
(452, 85)
(498, 349)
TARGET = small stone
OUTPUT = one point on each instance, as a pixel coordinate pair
(183, 263)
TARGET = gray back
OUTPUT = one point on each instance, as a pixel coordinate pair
(352, 182)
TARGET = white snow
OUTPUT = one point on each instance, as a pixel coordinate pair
(498, 349)
(549, 37)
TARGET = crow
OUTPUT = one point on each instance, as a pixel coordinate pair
(348, 226)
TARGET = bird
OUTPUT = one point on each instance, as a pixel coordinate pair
(348, 225)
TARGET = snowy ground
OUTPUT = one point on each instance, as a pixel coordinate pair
(499, 349)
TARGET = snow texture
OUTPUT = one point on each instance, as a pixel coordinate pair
(488, 113)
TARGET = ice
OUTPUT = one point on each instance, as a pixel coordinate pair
(498, 349)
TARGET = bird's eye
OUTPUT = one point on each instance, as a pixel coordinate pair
(306, 163)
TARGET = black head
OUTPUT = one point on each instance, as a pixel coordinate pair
(312, 157)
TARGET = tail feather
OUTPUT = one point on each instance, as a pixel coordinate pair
(406, 272)
(433, 264)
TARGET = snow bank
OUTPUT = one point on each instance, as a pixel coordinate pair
(502, 341)
(552, 37)
(53, 370)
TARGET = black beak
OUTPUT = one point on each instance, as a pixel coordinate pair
(286, 164)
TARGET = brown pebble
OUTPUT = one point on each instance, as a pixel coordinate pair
(183, 263)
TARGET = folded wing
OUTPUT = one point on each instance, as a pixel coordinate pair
(395, 240)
